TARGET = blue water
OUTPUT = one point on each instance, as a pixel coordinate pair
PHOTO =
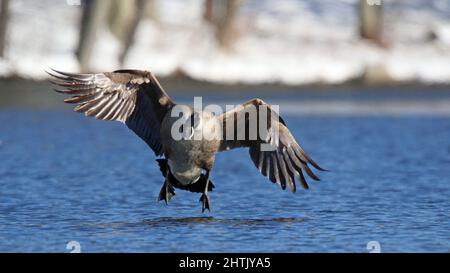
(64, 177)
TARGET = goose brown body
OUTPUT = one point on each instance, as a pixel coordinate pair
(188, 157)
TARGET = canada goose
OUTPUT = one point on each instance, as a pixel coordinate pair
(137, 99)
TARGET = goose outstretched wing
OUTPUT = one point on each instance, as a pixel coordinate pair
(132, 97)
(283, 160)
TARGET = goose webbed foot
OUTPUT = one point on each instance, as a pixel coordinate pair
(205, 202)
(166, 193)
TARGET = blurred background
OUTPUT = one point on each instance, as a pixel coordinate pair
(362, 84)
(237, 41)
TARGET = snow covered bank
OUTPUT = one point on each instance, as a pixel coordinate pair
(292, 41)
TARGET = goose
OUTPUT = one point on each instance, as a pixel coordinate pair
(137, 99)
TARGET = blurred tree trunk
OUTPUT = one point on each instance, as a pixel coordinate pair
(94, 15)
(121, 16)
(151, 10)
(4, 8)
(226, 23)
(208, 11)
(371, 21)
(141, 10)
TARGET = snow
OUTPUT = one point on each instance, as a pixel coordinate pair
(290, 41)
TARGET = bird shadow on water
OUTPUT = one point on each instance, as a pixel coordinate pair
(222, 221)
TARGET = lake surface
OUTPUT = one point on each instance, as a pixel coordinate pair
(64, 177)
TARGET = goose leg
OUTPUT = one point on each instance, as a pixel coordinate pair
(167, 191)
(205, 198)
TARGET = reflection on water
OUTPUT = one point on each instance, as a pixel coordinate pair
(64, 178)
(212, 220)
